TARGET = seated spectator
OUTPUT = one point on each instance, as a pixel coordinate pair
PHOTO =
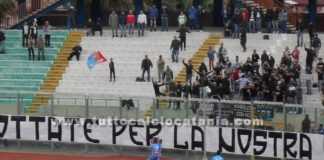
(2, 42)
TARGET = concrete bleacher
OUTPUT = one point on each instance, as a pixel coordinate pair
(20, 76)
(127, 54)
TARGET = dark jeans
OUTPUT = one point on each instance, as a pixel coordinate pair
(77, 54)
(25, 40)
(183, 43)
(141, 28)
(148, 74)
(31, 53)
(175, 55)
(41, 54)
(112, 75)
(47, 40)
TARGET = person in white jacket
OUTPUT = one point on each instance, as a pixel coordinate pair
(141, 23)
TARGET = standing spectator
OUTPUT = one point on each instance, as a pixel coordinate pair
(268, 20)
(122, 24)
(189, 69)
(306, 124)
(112, 70)
(30, 46)
(183, 30)
(130, 20)
(255, 57)
(178, 94)
(309, 59)
(2, 41)
(236, 25)
(201, 17)
(245, 17)
(300, 33)
(175, 46)
(141, 23)
(33, 31)
(160, 67)
(258, 16)
(167, 78)
(47, 33)
(97, 27)
(252, 22)
(284, 21)
(243, 39)
(221, 54)
(146, 67)
(153, 15)
(90, 27)
(320, 73)
(275, 20)
(295, 54)
(264, 57)
(316, 44)
(182, 19)
(40, 47)
(211, 57)
(164, 20)
(311, 31)
(113, 22)
(192, 14)
(76, 51)
(271, 61)
(167, 75)
(25, 31)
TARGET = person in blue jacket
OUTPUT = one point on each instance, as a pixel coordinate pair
(217, 156)
(153, 16)
(193, 15)
(156, 149)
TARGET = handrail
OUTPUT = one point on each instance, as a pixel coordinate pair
(202, 100)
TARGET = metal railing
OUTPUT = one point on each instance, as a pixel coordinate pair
(247, 114)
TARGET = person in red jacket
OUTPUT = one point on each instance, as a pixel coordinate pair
(131, 22)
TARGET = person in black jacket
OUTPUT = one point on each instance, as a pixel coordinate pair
(112, 70)
(255, 57)
(183, 30)
(243, 39)
(122, 24)
(76, 51)
(189, 69)
(146, 67)
(175, 45)
(309, 59)
(97, 27)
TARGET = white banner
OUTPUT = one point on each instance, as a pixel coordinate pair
(228, 140)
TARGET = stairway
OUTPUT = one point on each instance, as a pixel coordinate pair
(256, 3)
(197, 59)
(55, 73)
